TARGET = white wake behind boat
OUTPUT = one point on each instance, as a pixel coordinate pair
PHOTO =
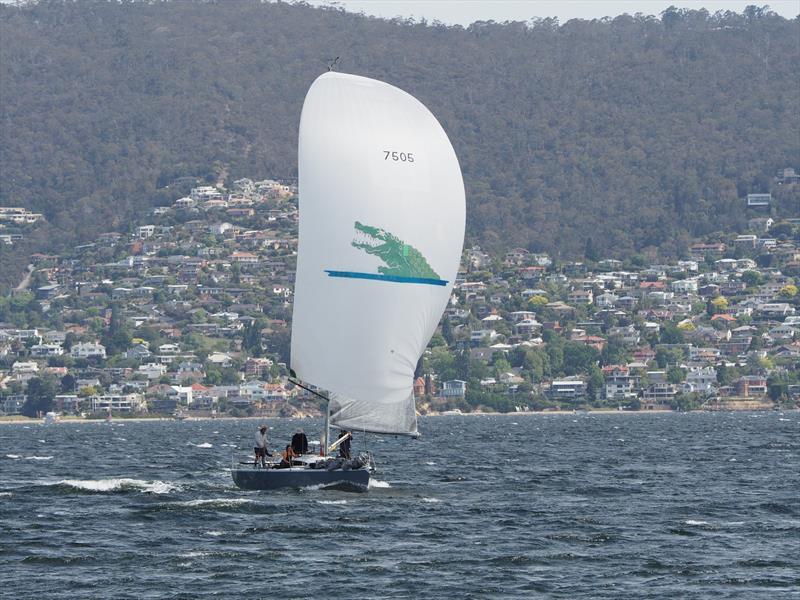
(381, 231)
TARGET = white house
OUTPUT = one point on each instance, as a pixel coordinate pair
(453, 389)
(701, 379)
(567, 389)
(182, 393)
(606, 300)
(119, 403)
(152, 370)
(684, 286)
(88, 350)
(219, 358)
(42, 350)
(24, 367)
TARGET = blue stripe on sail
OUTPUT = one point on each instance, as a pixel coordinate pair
(394, 278)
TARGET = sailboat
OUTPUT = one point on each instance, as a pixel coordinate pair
(382, 211)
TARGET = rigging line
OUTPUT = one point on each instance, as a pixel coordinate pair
(298, 384)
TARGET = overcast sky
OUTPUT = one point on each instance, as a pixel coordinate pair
(464, 12)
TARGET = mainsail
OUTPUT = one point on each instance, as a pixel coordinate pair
(381, 232)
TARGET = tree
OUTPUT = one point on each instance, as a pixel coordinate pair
(685, 402)
(501, 366)
(536, 362)
(117, 338)
(778, 387)
(676, 375)
(752, 278)
(727, 375)
(437, 340)
(447, 331)
(251, 338)
(536, 302)
(589, 250)
(555, 351)
(789, 291)
(671, 334)
(594, 384)
(68, 383)
(578, 358)
(614, 353)
(461, 364)
(442, 362)
(717, 305)
(40, 391)
(668, 356)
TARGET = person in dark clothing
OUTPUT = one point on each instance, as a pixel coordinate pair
(300, 442)
(344, 447)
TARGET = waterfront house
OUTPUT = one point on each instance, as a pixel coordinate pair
(571, 389)
(454, 388)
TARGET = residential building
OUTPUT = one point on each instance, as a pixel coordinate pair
(567, 389)
(88, 350)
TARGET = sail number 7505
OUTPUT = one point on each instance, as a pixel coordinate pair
(398, 156)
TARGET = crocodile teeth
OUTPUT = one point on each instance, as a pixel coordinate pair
(364, 239)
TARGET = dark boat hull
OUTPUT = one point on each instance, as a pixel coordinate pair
(356, 480)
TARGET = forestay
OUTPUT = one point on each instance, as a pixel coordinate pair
(381, 232)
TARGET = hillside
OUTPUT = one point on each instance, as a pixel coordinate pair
(616, 136)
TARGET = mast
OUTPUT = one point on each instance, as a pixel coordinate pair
(327, 433)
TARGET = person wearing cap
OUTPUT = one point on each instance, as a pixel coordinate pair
(261, 446)
(299, 442)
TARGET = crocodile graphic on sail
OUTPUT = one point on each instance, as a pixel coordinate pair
(402, 262)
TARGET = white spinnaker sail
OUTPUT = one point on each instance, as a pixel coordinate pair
(381, 233)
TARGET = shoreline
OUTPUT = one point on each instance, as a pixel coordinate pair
(17, 420)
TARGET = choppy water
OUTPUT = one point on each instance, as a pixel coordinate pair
(581, 506)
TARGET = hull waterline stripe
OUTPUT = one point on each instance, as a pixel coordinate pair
(393, 278)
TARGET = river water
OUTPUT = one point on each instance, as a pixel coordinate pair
(519, 506)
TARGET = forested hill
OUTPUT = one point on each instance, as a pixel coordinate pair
(635, 132)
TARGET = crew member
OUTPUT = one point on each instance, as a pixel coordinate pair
(286, 457)
(299, 442)
(261, 446)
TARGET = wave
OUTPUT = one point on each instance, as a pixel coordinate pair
(377, 483)
(431, 500)
(321, 486)
(199, 506)
(118, 484)
(210, 503)
(696, 523)
(13, 456)
(5, 494)
(331, 502)
(203, 445)
(38, 458)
